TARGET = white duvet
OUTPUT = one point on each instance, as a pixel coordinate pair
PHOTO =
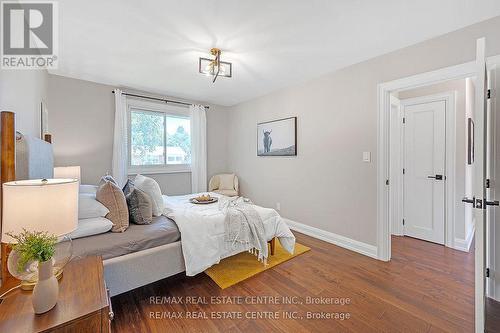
(202, 231)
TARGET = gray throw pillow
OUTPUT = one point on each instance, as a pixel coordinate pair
(140, 207)
(129, 186)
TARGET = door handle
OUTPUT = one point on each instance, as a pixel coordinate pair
(436, 177)
(491, 203)
(476, 203)
(467, 200)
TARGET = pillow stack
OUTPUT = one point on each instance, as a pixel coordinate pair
(107, 207)
(144, 199)
(91, 214)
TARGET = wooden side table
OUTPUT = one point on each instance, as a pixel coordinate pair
(83, 304)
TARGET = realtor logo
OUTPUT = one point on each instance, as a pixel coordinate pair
(29, 34)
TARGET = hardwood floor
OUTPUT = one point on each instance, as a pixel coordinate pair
(425, 288)
(492, 316)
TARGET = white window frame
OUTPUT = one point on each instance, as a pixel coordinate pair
(168, 110)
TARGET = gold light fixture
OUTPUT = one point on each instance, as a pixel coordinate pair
(215, 67)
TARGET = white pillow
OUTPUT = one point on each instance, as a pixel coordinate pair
(89, 207)
(151, 187)
(89, 227)
(88, 189)
(226, 181)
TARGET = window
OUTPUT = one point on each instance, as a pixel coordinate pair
(159, 141)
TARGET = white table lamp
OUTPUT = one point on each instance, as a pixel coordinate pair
(68, 172)
(39, 205)
(43, 206)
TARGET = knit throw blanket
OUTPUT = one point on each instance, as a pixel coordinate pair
(244, 225)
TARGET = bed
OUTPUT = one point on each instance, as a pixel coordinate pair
(108, 245)
(144, 253)
(141, 255)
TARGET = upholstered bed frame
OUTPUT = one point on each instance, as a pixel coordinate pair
(34, 159)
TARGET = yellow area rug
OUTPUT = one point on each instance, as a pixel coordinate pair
(242, 266)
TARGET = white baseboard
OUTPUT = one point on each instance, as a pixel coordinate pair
(330, 237)
(464, 244)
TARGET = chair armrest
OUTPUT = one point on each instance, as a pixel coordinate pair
(236, 185)
(213, 184)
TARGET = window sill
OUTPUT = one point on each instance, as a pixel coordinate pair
(134, 172)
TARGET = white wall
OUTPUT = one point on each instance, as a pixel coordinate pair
(327, 185)
(81, 119)
(462, 230)
(22, 91)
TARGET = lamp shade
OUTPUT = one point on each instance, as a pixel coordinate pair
(67, 172)
(39, 205)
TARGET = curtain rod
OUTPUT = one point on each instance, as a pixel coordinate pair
(159, 99)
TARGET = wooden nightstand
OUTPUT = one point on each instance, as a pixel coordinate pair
(83, 304)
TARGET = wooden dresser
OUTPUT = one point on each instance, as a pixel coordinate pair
(83, 304)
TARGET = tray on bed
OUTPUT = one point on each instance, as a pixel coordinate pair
(205, 202)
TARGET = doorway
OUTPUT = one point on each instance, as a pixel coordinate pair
(480, 200)
(427, 174)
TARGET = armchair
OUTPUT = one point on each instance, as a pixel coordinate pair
(225, 184)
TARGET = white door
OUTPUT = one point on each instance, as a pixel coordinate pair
(424, 166)
(479, 201)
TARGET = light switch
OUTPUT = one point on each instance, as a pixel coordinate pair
(367, 156)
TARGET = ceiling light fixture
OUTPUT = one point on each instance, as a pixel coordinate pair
(215, 67)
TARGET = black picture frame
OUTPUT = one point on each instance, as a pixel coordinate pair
(285, 151)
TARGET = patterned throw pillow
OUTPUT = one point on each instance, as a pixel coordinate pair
(140, 207)
(112, 197)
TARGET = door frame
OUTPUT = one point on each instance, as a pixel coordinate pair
(384, 91)
(450, 162)
(494, 173)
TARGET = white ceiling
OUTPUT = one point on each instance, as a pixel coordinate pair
(155, 45)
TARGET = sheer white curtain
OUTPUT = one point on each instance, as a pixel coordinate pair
(198, 148)
(120, 150)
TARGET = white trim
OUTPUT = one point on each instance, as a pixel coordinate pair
(492, 289)
(330, 237)
(396, 167)
(464, 244)
(156, 172)
(478, 188)
(425, 79)
(159, 169)
(384, 90)
(450, 163)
